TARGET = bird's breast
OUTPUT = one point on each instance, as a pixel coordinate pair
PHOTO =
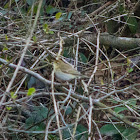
(64, 76)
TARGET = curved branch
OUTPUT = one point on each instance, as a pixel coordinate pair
(115, 42)
(77, 96)
(25, 70)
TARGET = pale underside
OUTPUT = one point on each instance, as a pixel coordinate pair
(66, 72)
(64, 76)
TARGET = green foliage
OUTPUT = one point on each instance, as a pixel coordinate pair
(66, 52)
(69, 15)
(81, 129)
(83, 58)
(120, 109)
(46, 29)
(35, 9)
(30, 2)
(21, 15)
(8, 3)
(4, 48)
(31, 91)
(110, 130)
(68, 110)
(8, 108)
(128, 62)
(58, 15)
(121, 9)
(80, 90)
(130, 134)
(34, 39)
(6, 37)
(13, 96)
(52, 137)
(131, 103)
(132, 24)
(39, 114)
(51, 32)
(129, 70)
(113, 101)
(81, 132)
(50, 9)
(36, 121)
(111, 26)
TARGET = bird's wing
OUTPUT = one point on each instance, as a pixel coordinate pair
(72, 71)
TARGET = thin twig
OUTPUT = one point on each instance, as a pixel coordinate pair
(22, 56)
(96, 62)
(77, 118)
(25, 70)
(90, 118)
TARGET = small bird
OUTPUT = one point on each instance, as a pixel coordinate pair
(65, 71)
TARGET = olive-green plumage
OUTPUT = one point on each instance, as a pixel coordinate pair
(65, 71)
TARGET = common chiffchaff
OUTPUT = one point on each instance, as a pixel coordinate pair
(64, 71)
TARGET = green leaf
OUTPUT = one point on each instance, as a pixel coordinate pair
(69, 15)
(34, 39)
(8, 108)
(35, 9)
(83, 58)
(6, 37)
(81, 128)
(68, 110)
(129, 70)
(50, 10)
(9, 3)
(39, 114)
(110, 130)
(13, 96)
(31, 121)
(120, 109)
(5, 48)
(4, 12)
(66, 133)
(134, 24)
(111, 27)
(113, 101)
(46, 28)
(52, 137)
(51, 32)
(66, 52)
(30, 2)
(31, 91)
(130, 134)
(121, 8)
(83, 131)
(132, 101)
(128, 62)
(116, 137)
(58, 15)
(41, 111)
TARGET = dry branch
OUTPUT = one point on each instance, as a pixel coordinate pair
(115, 42)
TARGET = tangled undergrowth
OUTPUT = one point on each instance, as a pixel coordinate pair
(104, 105)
